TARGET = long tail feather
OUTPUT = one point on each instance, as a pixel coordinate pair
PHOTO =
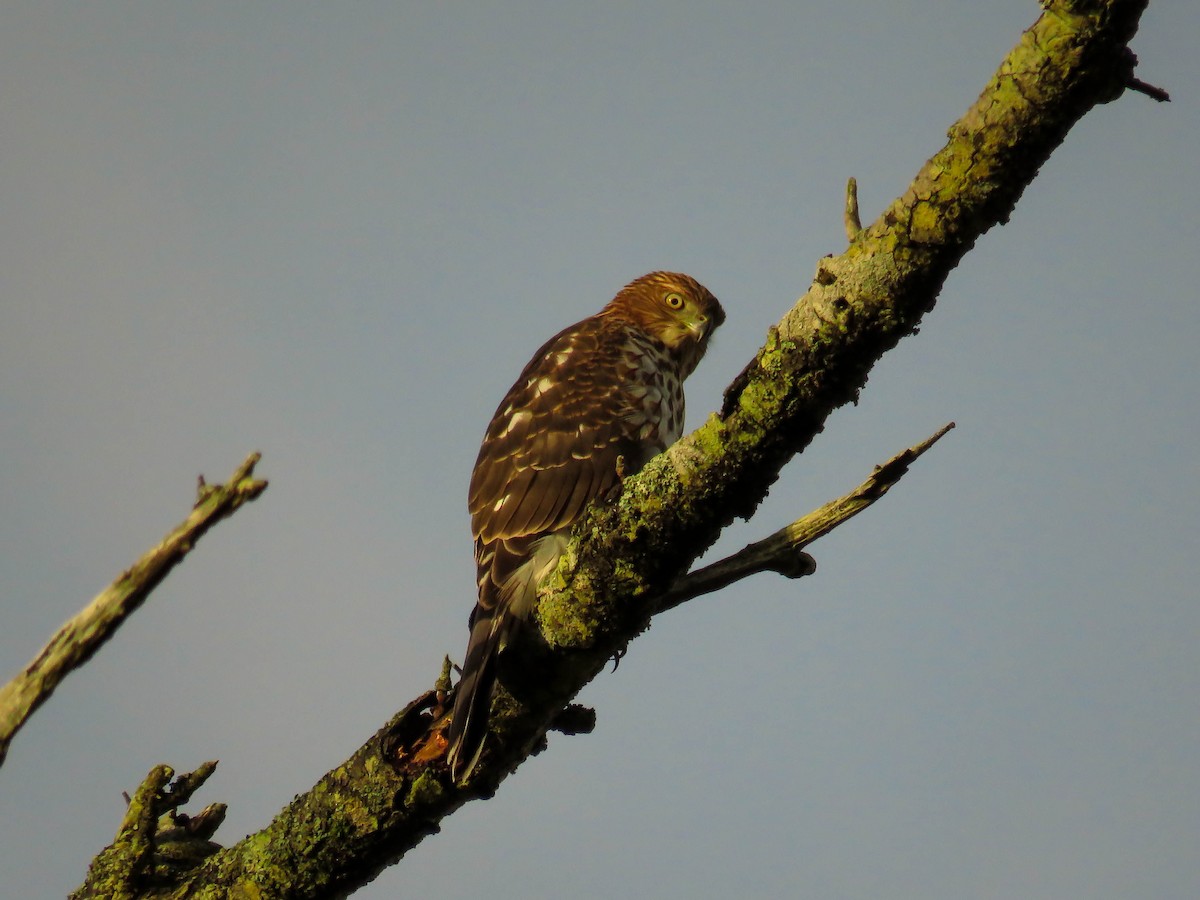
(473, 696)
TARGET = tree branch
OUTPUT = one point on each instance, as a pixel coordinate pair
(83, 635)
(859, 305)
(388, 782)
(783, 552)
(369, 811)
(155, 844)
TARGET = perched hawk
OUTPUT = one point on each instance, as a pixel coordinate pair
(607, 388)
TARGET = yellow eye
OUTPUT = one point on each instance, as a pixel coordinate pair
(674, 301)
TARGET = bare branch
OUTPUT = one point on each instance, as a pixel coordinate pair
(83, 635)
(783, 552)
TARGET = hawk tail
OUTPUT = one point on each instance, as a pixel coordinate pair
(473, 695)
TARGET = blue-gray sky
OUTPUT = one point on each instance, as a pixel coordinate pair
(335, 232)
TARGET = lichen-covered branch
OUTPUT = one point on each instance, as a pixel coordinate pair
(79, 638)
(366, 813)
(155, 843)
(394, 789)
(817, 358)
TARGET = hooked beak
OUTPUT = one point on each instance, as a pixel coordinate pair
(700, 326)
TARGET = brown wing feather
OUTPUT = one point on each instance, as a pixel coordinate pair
(538, 468)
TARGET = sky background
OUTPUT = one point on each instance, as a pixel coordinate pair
(335, 232)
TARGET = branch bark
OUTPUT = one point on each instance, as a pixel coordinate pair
(369, 811)
(83, 635)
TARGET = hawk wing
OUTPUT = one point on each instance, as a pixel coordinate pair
(552, 445)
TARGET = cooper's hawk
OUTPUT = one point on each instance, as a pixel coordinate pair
(607, 388)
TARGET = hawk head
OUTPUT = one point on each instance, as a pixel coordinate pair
(672, 308)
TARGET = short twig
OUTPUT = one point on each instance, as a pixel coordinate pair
(181, 788)
(1150, 90)
(850, 217)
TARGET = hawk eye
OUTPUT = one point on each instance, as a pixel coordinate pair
(674, 301)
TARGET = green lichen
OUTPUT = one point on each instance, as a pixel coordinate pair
(260, 856)
(426, 790)
(924, 222)
(358, 813)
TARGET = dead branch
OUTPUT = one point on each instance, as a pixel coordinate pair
(783, 552)
(86, 632)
